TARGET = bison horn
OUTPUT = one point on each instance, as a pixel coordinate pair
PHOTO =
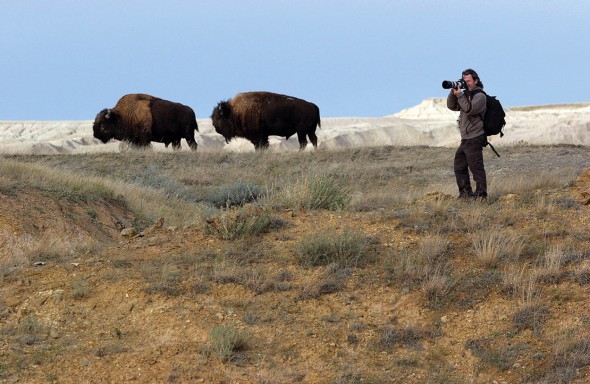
(108, 115)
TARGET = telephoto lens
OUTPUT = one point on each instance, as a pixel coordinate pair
(447, 84)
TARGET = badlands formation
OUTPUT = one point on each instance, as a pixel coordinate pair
(429, 124)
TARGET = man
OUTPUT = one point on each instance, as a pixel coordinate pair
(469, 155)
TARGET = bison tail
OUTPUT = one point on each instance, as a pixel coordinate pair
(319, 121)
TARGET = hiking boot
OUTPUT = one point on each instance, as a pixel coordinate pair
(466, 195)
(480, 195)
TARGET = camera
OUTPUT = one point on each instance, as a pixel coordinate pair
(446, 84)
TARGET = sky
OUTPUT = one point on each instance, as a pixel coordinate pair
(68, 59)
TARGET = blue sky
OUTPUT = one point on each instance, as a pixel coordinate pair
(66, 60)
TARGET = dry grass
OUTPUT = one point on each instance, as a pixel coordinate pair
(350, 248)
(226, 341)
(528, 187)
(22, 249)
(310, 192)
(367, 237)
(496, 244)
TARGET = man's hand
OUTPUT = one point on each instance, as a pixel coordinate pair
(457, 91)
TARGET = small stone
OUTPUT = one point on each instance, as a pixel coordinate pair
(509, 198)
(54, 333)
(128, 232)
(12, 301)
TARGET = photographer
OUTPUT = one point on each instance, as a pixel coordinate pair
(469, 155)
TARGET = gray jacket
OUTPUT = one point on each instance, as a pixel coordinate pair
(471, 112)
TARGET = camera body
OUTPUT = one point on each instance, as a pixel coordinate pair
(446, 84)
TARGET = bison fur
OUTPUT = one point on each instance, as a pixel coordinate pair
(257, 115)
(140, 119)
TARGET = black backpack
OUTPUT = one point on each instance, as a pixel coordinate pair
(494, 117)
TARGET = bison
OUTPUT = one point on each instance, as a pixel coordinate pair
(257, 115)
(140, 119)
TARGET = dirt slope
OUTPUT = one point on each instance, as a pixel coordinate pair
(141, 308)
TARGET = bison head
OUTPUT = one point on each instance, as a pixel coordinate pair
(221, 118)
(105, 125)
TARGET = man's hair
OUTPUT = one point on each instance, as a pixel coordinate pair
(473, 74)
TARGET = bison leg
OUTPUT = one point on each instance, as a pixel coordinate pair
(140, 145)
(302, 141)
(176, 145)
(313, 138)
(260, 143)
(192, 144)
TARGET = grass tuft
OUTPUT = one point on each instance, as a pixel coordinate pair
(313, 192)
(233, 224)
(237, 194)
(350, 248)
(225, 341)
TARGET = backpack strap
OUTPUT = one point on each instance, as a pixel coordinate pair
(492, 147)
(481, 116)
(475, 92)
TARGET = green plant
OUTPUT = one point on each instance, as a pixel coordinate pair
(314, 192)
(531, 316)
(225, 341)
(571, 354)
(408, 336)
(502, 357)
(80, 289)
(238, 223)
(239, 193)
(350, 248)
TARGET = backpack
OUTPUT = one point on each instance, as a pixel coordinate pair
(493, 119)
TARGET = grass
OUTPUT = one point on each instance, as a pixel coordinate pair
(494, 245)
(18, 175)
(349, 248)
(345, 266)
(226, 341)
(312, 192)
(237, 223)
(409, 336)
(81, 289)
(237, 194)
(571, 355)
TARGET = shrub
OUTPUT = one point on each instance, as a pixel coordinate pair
(80, 289)
(348, 249)
(237, 223)
(571, 356)
(314, 192)
(531, 316)
(225, 341)
(502, 358)
(237, 194)
(407, 336)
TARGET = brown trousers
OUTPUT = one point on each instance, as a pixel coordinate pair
(469, 157)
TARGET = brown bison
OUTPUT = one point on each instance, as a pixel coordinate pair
(140, 119)
(257, 115)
